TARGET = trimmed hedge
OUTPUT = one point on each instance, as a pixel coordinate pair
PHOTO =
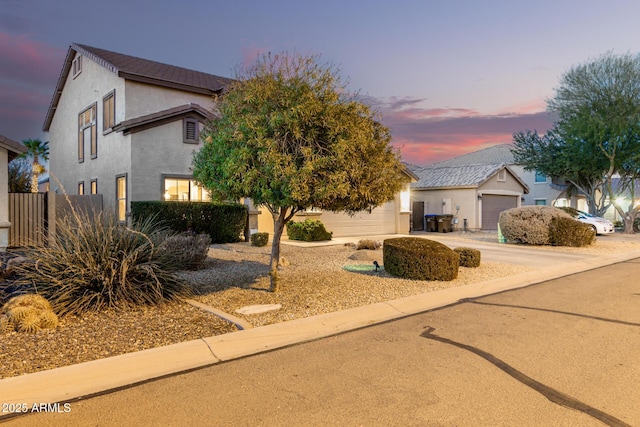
(419, 259)
(223, 222)
(259, 239)
(469, 257)
(529, 224)
(309, 230)
(570, 232)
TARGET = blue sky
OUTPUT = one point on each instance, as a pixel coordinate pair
(447, 77)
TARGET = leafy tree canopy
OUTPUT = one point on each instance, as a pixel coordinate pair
(290, 137)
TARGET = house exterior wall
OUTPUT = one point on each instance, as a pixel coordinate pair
(142, 99)
(436, 202)
(113, 148)
(158, 152)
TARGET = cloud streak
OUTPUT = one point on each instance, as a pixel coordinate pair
(427, 135)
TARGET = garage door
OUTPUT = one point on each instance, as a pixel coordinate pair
(492, 205)
(381, 220)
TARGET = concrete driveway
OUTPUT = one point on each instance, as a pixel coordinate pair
(560, 353)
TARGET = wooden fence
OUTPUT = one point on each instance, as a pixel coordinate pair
(33, 215)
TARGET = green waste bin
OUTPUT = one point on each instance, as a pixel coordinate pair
(444, 223)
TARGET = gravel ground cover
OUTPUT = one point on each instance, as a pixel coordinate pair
(235, 276)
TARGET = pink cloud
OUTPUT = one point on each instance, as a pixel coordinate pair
(428, 135)
(27, 61)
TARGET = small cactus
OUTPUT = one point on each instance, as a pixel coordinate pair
(27, 313)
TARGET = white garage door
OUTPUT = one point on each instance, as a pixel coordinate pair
(381, 220)
(492, 205)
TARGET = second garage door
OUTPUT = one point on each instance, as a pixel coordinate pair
(492, 205)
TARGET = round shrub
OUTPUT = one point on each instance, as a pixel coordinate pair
(468, 257)
(259, 239)
(309, 230)
(419, 259)
(27, 313)
(368, 244)
(529, 224)
(570, 232)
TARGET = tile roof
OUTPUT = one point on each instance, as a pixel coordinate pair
(138, 69)
(155, 119)
(134, 68)
(492, 155)
(468, 176)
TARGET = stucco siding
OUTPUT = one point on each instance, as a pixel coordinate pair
(87, 88)
(157, 152)
(143, 99)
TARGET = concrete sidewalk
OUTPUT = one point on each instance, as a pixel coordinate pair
(72, 382)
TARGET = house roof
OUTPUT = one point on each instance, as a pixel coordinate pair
(161, 117)
(465, 176)
(13, 147)
(492, 155)
(140, 70)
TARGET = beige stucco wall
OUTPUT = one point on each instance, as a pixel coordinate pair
(145, 99)
(4, 200)
(386, 219)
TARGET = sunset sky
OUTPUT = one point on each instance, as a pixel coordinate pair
(448, 77)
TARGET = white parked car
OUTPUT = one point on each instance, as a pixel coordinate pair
(600, 225)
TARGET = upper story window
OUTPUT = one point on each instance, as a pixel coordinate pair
(94, 186)
(109, 111)
(76, 65)
(87, 132)
(81, 188)
(190, 131)
(540, 178)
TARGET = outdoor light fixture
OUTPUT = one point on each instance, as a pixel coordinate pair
(479, 196)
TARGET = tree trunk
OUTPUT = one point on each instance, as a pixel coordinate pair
(628, 224)
(279, 222)
(34, 182)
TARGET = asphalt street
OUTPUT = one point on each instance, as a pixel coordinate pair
(560, 353)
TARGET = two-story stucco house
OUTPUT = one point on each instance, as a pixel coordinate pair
(126, 127)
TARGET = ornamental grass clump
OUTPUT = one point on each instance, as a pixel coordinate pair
(187, 250)
(419, 259)
(93, 262)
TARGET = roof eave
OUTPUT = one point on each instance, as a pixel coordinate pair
(169, 84)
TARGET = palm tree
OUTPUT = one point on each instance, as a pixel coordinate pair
(36, 150)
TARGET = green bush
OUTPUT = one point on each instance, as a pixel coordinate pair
(468, 257)
(224, 223)
(309, 230)
(420, 259)
(259, 239)
(189, 250)
(529, 224)
(570, 232)
(93, 262)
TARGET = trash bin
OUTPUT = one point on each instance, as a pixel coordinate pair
(430, 223)
(444, 223)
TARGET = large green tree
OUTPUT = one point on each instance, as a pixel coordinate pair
(597, 104)
(290, 137)
(36, 151)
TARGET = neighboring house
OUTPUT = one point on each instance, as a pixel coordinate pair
(126, 127)
(474, 194)
(391, 218)
(9, 149)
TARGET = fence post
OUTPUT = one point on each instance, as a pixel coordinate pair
(51, 216)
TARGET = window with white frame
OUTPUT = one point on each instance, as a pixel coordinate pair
(184, 190)
(540, 178)
(541, 202)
